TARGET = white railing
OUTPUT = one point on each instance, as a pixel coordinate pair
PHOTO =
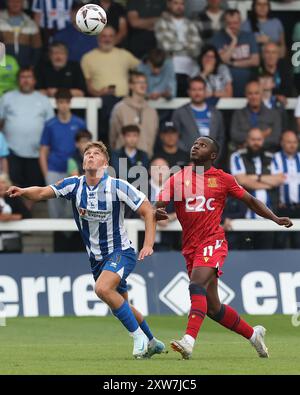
(134, 226)
(92, 105)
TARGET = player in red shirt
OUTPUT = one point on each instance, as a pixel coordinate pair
(199, 193)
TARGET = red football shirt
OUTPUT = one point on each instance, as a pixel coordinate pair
(199, 203)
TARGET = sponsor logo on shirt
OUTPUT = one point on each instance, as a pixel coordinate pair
(94, 215)
(212, 183)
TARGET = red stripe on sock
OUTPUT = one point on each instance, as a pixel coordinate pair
(197, 315)
(233, 321)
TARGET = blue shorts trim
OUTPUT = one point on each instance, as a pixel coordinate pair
(120, 262)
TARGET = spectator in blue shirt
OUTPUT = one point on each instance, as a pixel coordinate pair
(160, 75)
(237, 49)
(77, 43)
(3, 154)
(57, 145)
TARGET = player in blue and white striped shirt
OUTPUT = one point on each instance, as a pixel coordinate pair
(98, 202)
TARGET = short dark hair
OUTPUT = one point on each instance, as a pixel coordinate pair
(83, 134)
(135, 74)
(216, 145)
(25, 70)
(196, 79)
(157, 57)
(231, 12)
(130, 128)
(58, 44)
(210, 48)
(63, 93)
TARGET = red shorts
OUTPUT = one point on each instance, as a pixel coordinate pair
(209, 254)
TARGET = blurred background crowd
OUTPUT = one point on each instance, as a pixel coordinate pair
(151, 50)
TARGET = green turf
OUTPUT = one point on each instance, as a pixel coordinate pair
(95, 345)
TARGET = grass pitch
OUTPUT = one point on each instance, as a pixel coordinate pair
(100, 345)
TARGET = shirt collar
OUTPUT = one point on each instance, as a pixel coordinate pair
(102, 181)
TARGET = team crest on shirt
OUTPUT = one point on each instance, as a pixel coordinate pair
(206, 259)
(212, 183)
(187, 182)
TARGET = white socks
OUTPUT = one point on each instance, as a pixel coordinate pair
(137, 333)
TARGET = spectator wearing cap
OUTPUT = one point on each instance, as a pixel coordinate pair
(129, 155)
(57, 145)
(142, 15)
(20, 34)
(287, 161)
(256, 115)
(197, 119)
(160, 74)
(58, 73)
(107, 67)
(74, 166)
(255, 170)
(24, 112)
(134, 109)
(179, 38)
(169, 150)
(78, 44)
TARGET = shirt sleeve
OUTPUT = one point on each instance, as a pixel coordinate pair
(128, 194)
(64, 188)
(167, 193)
(234, 189)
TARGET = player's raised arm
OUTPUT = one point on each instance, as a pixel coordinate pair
(31, 193)
(261, 209)
(146, 211)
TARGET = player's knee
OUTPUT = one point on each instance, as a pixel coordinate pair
(197, 289)
(102, 291)
(213, 310)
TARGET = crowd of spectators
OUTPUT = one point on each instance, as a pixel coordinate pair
(152, 50)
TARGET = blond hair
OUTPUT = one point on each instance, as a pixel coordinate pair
(100, 146)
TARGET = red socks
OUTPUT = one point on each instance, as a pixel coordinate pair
(198, 310)
(229, 318)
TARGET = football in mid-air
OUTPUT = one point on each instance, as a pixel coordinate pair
(91, 19)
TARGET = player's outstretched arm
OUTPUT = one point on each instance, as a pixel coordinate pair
(146, 211)
(261, 209)
(31, 193)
